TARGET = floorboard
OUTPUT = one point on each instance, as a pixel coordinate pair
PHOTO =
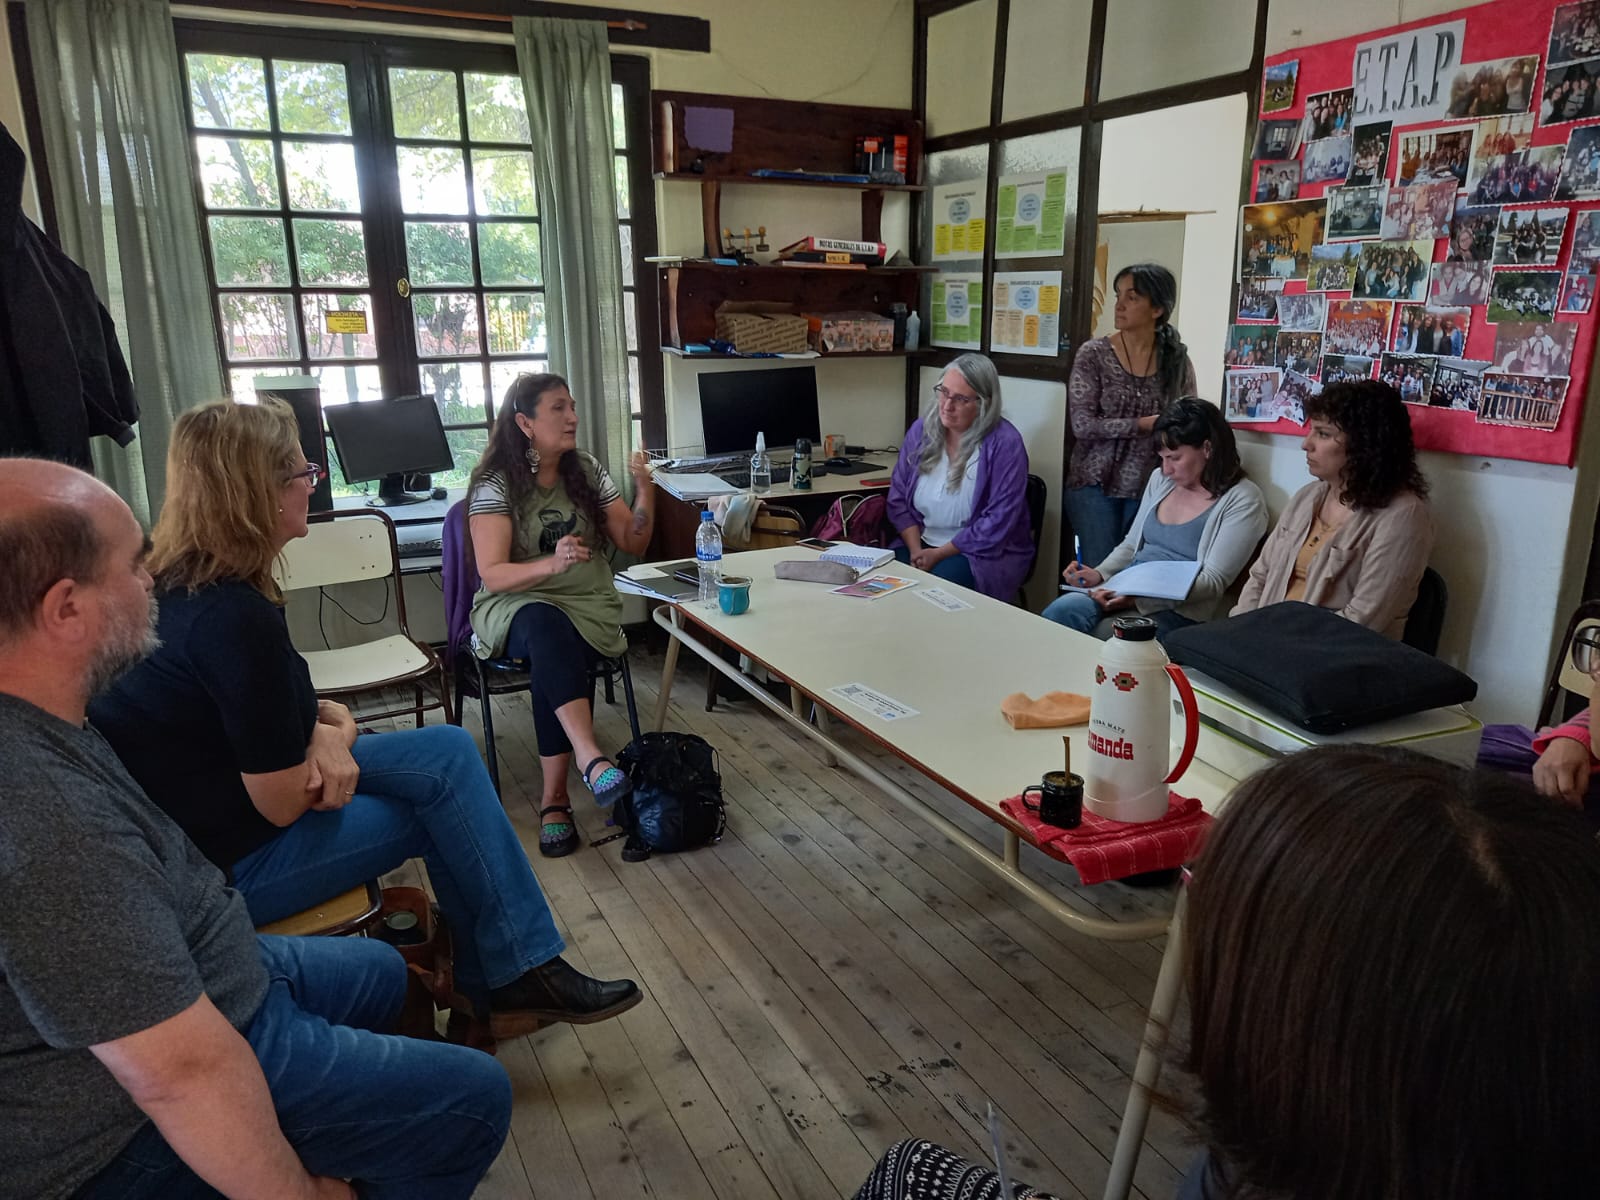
(834, 975)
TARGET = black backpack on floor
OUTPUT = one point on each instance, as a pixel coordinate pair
(676, 802)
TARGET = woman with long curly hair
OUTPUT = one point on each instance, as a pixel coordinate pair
(541, 513)
(222, 728)
(1119, 386)
(1357, 538)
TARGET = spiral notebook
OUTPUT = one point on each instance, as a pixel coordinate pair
(861, 558)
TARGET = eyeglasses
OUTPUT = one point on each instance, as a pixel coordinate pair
(944, 393)
(313, 474)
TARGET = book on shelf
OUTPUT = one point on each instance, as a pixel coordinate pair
(822, 266)
(822, 245)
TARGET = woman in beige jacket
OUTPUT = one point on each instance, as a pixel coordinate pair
(1357, 538)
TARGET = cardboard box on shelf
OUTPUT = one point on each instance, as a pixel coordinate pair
(761, 327)
(850, 332)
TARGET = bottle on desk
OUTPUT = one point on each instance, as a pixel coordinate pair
(800, 469)
(760, 467)
(708, 554)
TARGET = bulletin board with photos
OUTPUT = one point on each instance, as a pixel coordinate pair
(1425, 209)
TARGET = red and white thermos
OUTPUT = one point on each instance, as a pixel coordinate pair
(1130, 725)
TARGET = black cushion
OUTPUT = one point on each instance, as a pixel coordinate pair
(1317, 669)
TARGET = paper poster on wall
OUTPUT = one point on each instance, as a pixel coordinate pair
(1031, 215)
(957, 311)
(958, 212)
(1406, 77)
(1027, 312)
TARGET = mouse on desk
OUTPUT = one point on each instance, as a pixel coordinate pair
(839, 461)
(439, 493)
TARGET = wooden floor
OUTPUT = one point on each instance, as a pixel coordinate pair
(832, 977)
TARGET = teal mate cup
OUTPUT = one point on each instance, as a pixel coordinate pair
(733, 595)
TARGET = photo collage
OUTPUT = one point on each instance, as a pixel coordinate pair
(1375, 249)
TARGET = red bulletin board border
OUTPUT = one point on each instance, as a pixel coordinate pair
(1502, 29)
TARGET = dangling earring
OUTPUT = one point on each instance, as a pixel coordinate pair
(533, 458)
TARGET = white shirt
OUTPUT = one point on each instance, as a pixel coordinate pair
(944, 513)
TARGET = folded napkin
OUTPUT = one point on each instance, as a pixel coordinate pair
(1049, 711)
(1103, 849)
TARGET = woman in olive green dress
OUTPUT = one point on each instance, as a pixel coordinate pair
(541, 515)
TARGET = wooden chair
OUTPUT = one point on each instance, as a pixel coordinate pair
(349, 912)
(1565, 677)
(348, 547)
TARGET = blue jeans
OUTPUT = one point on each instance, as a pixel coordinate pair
(403, 1119)
(1099, 521)
(422, 792)
(955, 569)
(1077, 610)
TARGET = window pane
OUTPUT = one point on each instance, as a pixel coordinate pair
(237, 172)
(508, 252)
(424, 103)
(961, 67)
(438, 252)
(321, 343)
(619, 122)
(1217, 37)
(497, 109)
(516, 323)
(625, 232)
(502, 182)
(467, 447)
(457, 388)
(330, 252)
(257, 326)
(347, 384)
(247, 250)
(503, 373)
(241, 384)
(1047, 56)
(432, 179)
(630, 319)
(312, 97)
(447, 323)
(228, 93)
(322, 176)
(635, 395)
(969, 165)
(622, 188)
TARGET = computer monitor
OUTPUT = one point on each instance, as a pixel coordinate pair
(387, 440)
(737, 405)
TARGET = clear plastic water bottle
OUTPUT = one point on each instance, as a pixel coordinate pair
(760, 467)
(913, 331)
(708, 553)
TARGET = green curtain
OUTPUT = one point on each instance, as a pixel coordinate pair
(111, 103)
(566, 73)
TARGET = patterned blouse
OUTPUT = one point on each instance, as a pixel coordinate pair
(1104, 404)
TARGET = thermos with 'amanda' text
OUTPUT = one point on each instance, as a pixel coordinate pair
(1130, 725)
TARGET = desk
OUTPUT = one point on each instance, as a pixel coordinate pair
(408, 517)
(954, 668)
(676, 520)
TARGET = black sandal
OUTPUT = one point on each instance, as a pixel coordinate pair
(609, 785)
(552, 845)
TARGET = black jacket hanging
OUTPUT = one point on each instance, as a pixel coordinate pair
(62, 375)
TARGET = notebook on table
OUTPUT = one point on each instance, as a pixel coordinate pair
(861, 558)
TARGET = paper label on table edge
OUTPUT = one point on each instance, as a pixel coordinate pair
(885, 708)
(941, 599)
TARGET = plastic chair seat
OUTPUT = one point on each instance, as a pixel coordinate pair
(371, 664)
(348, 912)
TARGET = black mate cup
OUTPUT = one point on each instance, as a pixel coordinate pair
(1060, 799)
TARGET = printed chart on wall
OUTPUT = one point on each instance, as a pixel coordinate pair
(1443, 235)
(958, 311)
(1027, 312)
(958, 224)
(1030, 217)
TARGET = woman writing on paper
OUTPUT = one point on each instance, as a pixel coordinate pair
(1357, 538)
(1118, 387)
(1197, 507)
(959, 493)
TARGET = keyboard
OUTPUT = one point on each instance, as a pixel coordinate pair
(740, 476)
(421, 547)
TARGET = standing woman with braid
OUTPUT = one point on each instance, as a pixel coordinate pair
(1119, 385)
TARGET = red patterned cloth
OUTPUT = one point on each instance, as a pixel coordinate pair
(1102, 849)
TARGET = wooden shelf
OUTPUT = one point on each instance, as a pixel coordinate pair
(692, 264)
(691, 177)
(679, 352)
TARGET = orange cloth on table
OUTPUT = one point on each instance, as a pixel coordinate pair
(1050, 711)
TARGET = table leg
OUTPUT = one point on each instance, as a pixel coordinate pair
(1147, 1070)
(668, 668)
(1013, 851)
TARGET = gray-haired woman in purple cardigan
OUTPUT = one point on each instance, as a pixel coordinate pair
(959, 496)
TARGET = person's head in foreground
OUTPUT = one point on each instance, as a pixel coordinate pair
(1359, 442)
(1394, 974)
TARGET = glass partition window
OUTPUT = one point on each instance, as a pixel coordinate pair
(1153, 44)
(960, 68)
(1047, 56)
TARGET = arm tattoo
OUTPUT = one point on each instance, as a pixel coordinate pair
(641, 520)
